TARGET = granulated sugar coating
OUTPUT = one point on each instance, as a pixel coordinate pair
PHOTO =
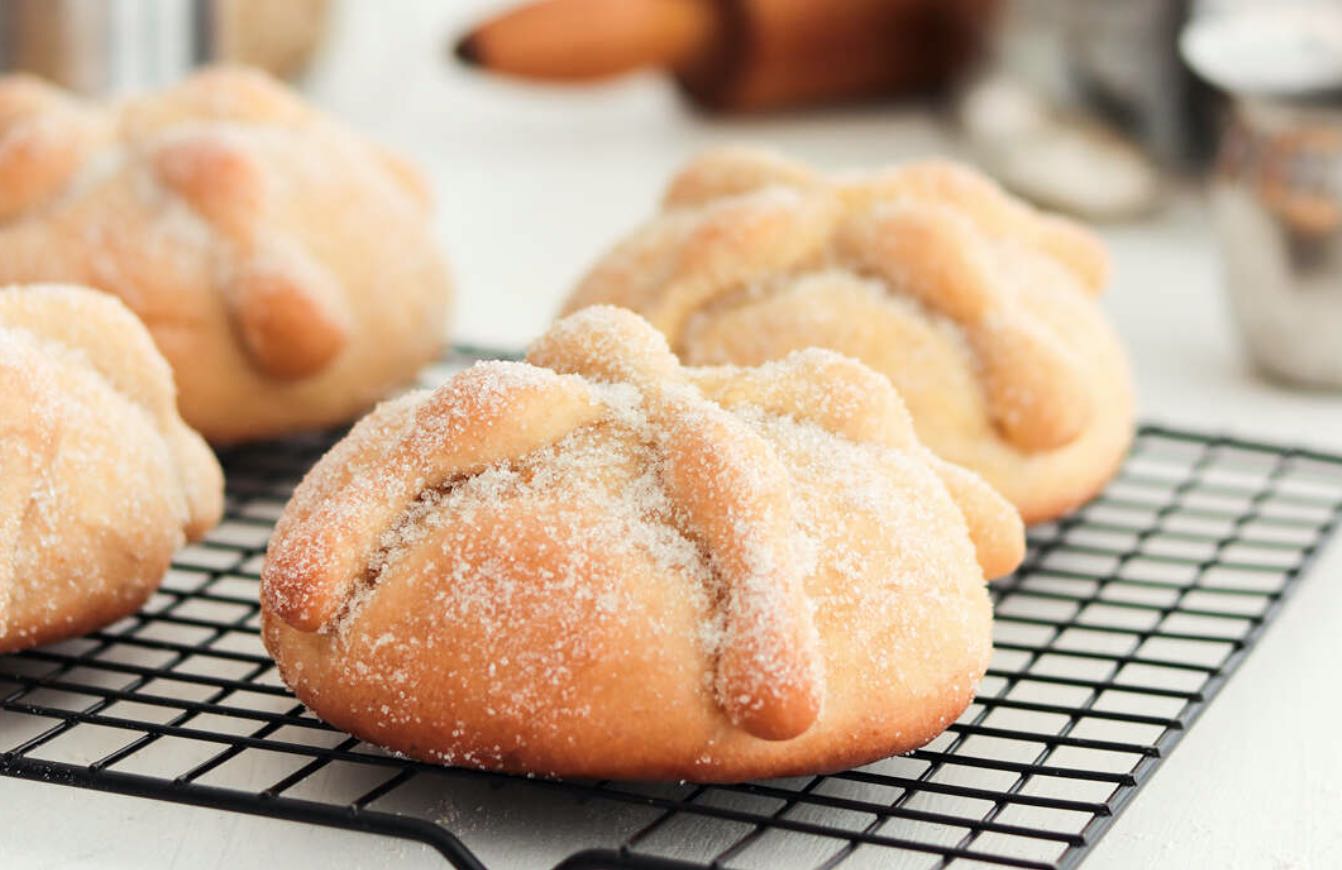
(100, 481)
(598, 563)
(978, 308)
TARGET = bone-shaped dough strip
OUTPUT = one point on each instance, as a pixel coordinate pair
(849, 399)
(731, 171)
(733, 492)
(995, 526)
(489, 413)
(291, 314)
(215, 174)
(928, 252)
(45, 136)
(739, 242)
(1035, 394)
(941, 182)
(734, 497)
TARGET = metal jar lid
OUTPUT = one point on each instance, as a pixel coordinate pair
(1279, 49)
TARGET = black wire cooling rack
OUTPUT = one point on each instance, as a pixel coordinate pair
(1125, 620)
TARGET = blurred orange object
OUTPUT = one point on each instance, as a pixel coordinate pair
(742, 55)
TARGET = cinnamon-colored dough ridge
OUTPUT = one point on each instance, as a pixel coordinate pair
(100, 480)
(284, 266)
(601, 563)
(977, 307)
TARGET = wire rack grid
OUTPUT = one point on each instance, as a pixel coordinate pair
(1126, 618)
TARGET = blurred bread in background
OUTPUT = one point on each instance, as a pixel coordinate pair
(980, 310)
(285, 265)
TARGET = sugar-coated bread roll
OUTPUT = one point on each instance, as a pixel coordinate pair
(598, 563)
(978, 308)
(284, 265)
(100, 480)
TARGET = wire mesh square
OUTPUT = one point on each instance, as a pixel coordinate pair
(1125, 619)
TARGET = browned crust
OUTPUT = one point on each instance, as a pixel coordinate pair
(576, 757)
(137, 585)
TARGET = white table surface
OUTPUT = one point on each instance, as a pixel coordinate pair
(531, 185)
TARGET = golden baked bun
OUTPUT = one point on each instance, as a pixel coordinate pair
(598, 563)
(100, 480)
(283, 265)
(979, 309)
